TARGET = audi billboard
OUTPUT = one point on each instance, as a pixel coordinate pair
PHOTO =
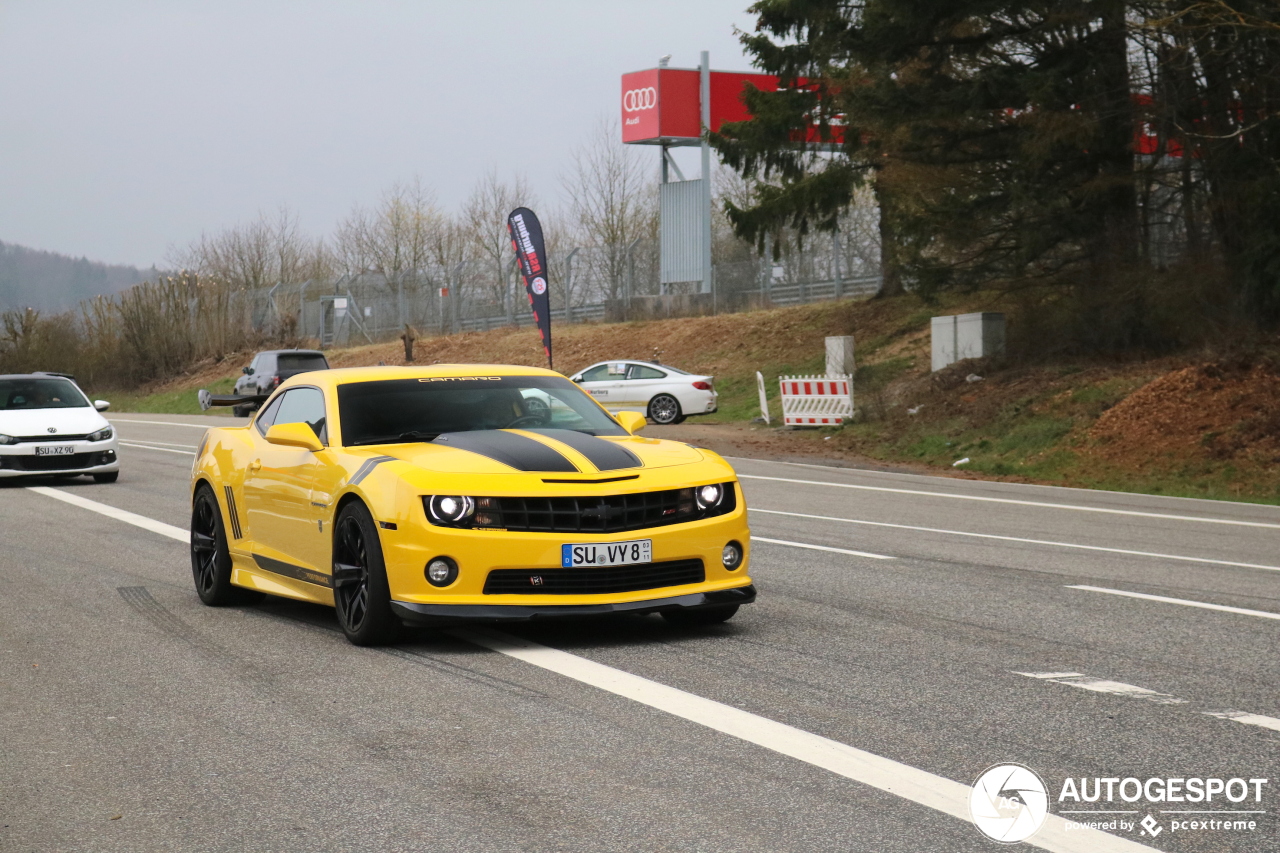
(662, 106)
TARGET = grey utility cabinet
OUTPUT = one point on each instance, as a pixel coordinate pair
(960, 336)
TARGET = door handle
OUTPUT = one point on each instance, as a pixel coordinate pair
(255, 465)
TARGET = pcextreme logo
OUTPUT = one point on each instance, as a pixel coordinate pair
(1009, 803)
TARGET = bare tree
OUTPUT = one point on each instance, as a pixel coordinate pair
(262, 254)
(612, 202)
(484, 217)
(394, 238)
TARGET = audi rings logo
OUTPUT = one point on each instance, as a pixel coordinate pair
(635, 100)
(1009, 803)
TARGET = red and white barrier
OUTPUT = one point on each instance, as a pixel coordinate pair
(816, 400)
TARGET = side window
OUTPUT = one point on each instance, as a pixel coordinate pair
(303, 406)
(267, 416)
(640, 371)
(599, 373)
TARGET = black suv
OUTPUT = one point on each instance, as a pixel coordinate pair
(268, 369)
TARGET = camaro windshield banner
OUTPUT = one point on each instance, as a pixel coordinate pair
(531, 252)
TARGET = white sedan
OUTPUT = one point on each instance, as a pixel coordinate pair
(49, 427)
(667, 395)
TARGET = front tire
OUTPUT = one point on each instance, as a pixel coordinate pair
(361, 595)
(210, 558)
(702, 617)
(665, 409)
(108, 477)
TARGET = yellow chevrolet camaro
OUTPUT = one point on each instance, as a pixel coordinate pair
(406, 495)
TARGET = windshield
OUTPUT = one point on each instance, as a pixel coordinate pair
(300, 362)
(398, 410)
(31, 393)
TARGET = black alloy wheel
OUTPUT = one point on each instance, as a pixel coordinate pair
(361, 595)
(665, 409)
(701, 617)
(210, 559)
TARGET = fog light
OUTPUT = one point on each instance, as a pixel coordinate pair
(709, 496)
(731, 556)
(442, 571)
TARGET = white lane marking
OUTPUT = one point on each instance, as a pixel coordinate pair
(163, 449)
(160, 443)
(1224, 608)
(118, 514)
(1047, 504)
(901, 780)
(172, 423)
(1101, 685)
(1020, 539)
(1246, 718)
(821, 548)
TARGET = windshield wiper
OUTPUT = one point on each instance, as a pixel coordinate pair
(412, 435)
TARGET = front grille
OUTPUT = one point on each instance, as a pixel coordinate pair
(51, 463)
(599, 514)
(45, 439)
(594, 581)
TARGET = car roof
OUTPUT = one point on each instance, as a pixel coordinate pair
(37, 375)
(345, 375)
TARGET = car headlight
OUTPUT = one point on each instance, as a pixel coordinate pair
(101, 435)
(8, 439)
(709, 496)
(449, 509)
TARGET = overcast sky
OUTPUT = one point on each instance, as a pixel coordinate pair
(128, 127)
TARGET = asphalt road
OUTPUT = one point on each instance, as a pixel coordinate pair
(884, 666)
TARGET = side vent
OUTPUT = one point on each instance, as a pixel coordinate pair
(231, 511)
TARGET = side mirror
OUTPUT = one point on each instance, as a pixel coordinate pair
(101, 405)
(247, 371)
(294, 435)
(632, 422)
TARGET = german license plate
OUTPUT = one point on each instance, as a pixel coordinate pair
(607, 554)
(55, 450)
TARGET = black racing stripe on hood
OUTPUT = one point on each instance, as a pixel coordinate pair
(515, 451)
(605, 455)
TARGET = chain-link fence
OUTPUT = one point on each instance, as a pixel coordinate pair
(589, 284)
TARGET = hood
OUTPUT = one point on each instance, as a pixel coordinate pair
(80, 420)
(544, 451)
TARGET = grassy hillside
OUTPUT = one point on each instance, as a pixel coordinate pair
(1190, 426)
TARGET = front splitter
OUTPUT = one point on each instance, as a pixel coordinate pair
(435, 614)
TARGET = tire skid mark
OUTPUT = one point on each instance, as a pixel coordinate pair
(448, 668)
(416, 658)
(139, 598)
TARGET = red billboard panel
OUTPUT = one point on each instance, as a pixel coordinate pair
(662, 106)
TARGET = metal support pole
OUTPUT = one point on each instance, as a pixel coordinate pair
(509, 293)
(400, 299)
(455, 296)
(630, 280)
(835, 258)
(568, 287)
(302, 308)
(704, 70)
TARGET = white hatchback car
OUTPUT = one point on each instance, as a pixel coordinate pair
(49, 427)
(667, 395)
